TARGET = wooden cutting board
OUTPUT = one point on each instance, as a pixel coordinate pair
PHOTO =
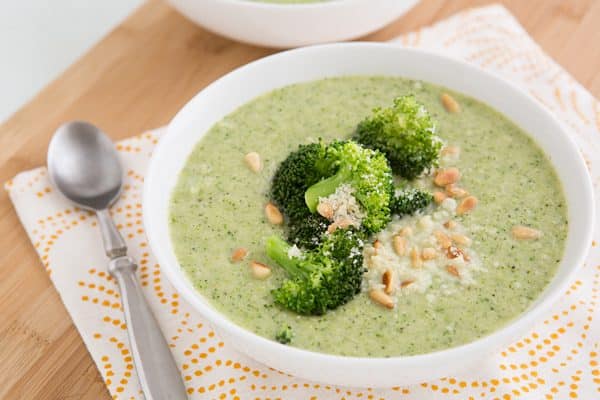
(136, 79)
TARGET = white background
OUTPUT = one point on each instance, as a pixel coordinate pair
(40, 38)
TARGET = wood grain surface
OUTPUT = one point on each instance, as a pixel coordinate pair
(136, 79)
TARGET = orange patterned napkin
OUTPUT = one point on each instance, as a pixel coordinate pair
(557, 360)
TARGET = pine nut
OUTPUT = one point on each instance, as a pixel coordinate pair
(407, 282)
(445, 177)
(342, 223)
(238, 254)
(467, 204)
(525, 233)
(438, 197)
(252, 160)
(453, 252)
(415, 258)
(399, 244)
(442, 239)
(452, 270)
(406, 231)
(273, 214)
(428, 253)
(450, 104)
(450, 224)
(388, 281)
(454, 191)
(325, 210)
(260, 270)
(380, 297)
(460, 239)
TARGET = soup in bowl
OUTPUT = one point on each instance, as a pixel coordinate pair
(443, 217)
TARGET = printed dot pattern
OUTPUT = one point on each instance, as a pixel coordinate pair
(558, 359)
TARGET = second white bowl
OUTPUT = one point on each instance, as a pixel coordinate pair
(292, 25)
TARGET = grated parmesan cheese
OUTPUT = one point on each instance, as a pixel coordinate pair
(432, 277)
(294, 252)
(344, 205)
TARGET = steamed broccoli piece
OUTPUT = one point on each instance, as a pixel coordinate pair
(285, 335)
(322, 279)
(409, 201)
(300, 170)
(405, 134)
(366, 171)
(307, 232)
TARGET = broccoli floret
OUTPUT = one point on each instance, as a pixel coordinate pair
(321, 279)
(307, 232)
(409, 201)
(366, 171)
(297, 186)
(295, 174)
(405, 134)
(301, 169)
(285, 335)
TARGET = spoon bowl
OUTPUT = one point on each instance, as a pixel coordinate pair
(84, 166)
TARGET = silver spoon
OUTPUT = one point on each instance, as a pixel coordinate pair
(83, 165)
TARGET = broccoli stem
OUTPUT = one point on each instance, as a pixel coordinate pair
(277, 250)
(325, 187)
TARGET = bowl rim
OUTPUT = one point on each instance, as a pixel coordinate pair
(481, 345)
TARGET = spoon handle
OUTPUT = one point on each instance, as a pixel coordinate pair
(158, 374)
(114, 245)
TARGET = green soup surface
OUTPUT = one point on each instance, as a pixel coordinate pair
(218, 206)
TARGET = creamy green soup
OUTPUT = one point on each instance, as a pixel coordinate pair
(218, 203)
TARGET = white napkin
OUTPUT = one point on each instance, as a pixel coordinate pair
(558, 359)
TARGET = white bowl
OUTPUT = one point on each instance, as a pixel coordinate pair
(292, 25)
(254, 79)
